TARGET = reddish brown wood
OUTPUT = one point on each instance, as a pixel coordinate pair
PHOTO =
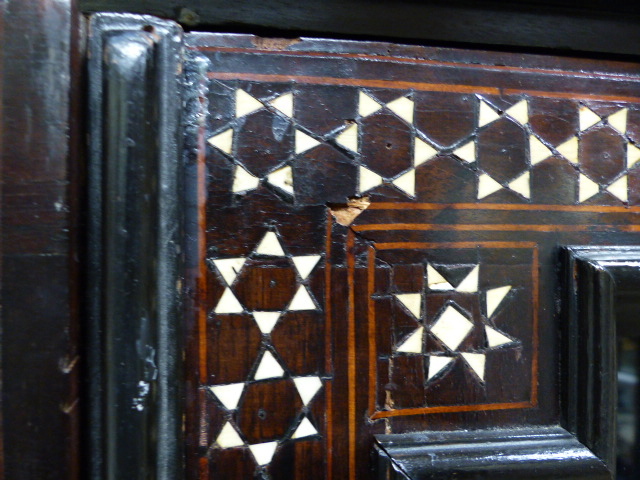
(41, 198)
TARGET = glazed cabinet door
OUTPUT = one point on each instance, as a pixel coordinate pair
(332, 260)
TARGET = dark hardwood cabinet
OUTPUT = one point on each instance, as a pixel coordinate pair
(237, 257)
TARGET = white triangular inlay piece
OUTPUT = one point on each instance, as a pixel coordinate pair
(569, 149)
(229, 268)
(588, 118)
(495, 297)
(487, 186)
(367, 105)
(522, 185)
(270, 245)
(302, 300)
(633, 155)
(284, 103)
(268, 368)
(304, 142)
(307, 387)
(263, 452)
(282, 178)
(305, 429)
(413, 343)
(412, 301)
(229, 395)
(228, 437)
(538, 151)
(403, 107)
(619, 188)
(519, 112)
(466, 152)
(495, 338)
(451, 327)
(470, 282)
(437, 364)
(305, 264)
(243, 180)
(619, 120)
(587, 188)
(476, 361)
(223, 141)
(228, 303)
(349, 138)
(487, 114)
(368, 179)
(407, 182)
(422, 152)
(266, 320)
(246, 104)
(436, 281)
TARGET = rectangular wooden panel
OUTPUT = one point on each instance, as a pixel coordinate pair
(376, 239)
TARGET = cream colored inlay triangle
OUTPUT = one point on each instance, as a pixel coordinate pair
(284, 103)
(270, 245)
(470, 282)
(522, 185)
(588, 118)
(412, 301)
(413, 344)
(422, 152)
(451, 327)
(466, 152)
(368, 179)
(435, 280)
(495, 338)
(307, 387)
(302, 300)
(407, 182)
(349, 138)
(304, 142)
(587, 188)
(633, 155)
(487, 186)
(367, 105)
(266, 320)
(243, 180)
(245, 103)
(619, 188)
(619, 120)
(282, 178)
(228, 303)
(223, 141)
(263, 452)
(305, 264)
(268, 368)
(403, 107)
(569, 149)
(229, 395)
(487, 114)
(538, 151)
(476, 361)
(495, 297)
(228, 437)
(305, 429)
(437, 364)
(229, 268)
(519, 112)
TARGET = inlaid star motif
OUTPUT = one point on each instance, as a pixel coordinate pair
(268, 368)
(452, 325)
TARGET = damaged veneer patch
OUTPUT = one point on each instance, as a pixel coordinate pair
(345, 214)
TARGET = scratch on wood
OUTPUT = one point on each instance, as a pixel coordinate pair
(274, 43)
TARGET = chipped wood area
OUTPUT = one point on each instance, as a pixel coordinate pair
(347, 213)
